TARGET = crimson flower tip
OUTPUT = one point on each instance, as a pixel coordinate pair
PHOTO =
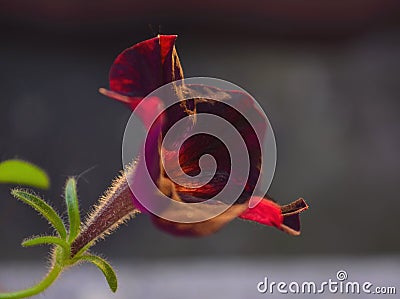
(285, 218)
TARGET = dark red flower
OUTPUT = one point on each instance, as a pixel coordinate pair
(148, 65)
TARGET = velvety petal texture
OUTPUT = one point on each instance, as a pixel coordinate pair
(148, 65)
(140, 69)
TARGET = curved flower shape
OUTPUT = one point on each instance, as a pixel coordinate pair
(148, 65)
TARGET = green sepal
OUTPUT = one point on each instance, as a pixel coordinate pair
(71, 199)
(48, 240)
(105, 267)
(43, 208)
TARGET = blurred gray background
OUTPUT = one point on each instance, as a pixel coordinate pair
(326, 73)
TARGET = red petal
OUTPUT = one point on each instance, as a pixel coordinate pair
(265, 212)
(285, 217)
(144, 67)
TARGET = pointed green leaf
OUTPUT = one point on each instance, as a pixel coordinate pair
(23, 173)
(43, 208)
(71, 198)
(105, 268)
(46, 240)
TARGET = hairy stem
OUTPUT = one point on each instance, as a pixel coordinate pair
(115, 207)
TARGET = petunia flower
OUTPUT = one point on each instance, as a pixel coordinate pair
(135, 73)
(171, 173)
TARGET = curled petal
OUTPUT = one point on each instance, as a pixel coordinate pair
(291, 219)
(143, 68)
(270, 213)
(265, 212)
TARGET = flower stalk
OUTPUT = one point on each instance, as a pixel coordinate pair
(114, 208)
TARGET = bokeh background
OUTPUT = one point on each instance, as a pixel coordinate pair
(325, 72)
